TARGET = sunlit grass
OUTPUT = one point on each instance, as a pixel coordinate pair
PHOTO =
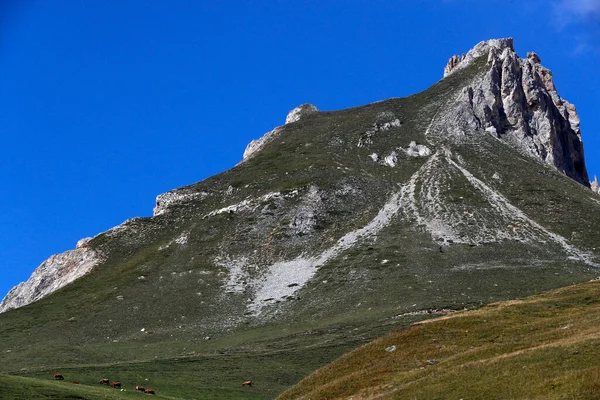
(543, 347)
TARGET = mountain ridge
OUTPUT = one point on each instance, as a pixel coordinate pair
(520, 79)
(345, 225)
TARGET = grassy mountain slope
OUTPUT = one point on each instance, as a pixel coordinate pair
(20, 388)
(541, 347)
(230, 284)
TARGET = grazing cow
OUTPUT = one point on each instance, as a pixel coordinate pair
(116, 384)
(75, 383)
(104, 381)
(58, 377)
(247, 383)
(149, 391)
(140, 388)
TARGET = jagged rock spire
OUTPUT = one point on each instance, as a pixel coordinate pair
(516, 100)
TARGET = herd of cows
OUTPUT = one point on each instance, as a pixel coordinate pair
(105, 381)
(117, 385)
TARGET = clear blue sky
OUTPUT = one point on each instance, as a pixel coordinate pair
(106, 104)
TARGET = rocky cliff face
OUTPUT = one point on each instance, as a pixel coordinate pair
(516, 101)
(54, 273)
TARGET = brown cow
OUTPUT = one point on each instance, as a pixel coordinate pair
(75, 383)
(116, 384)
(247, 383)
(58, 377)
(104, 381)
(140, 388)
(149, 391)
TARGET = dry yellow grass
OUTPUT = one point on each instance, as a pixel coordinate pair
(543, 347)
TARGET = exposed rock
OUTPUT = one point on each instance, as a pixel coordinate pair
(482, 48)
(256, 145)
(452, 63)
(384, 122)
(594, 185)
(293, 116)
(83, 242)
(533, 57)
(300, 112)
(417, 150)
(516, 100)
(391, 160)
(306, 219)
(413, 150)
(54, 273)
(304, 222)
(174, 197)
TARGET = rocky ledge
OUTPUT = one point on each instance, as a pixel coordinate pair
(54, 273)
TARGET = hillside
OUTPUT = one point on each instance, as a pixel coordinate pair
(336, 228)
(542, 347)
(19, 388)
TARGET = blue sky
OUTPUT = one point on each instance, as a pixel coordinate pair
(106, 104)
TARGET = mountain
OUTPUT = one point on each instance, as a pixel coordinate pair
(334, 229)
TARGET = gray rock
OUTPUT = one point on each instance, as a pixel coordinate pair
(300, 112)
(54, 273)
(516, 101)
(594, 185)
(293, 116)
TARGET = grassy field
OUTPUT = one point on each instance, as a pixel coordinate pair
(542, 347)
(20, 388)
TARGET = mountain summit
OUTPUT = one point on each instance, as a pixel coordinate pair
(334, 228)
(516, 100)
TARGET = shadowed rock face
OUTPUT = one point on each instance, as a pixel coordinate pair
(516, 101)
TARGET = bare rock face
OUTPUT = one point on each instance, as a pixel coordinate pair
(299, 112)
(256, 145)
(516, 101)
(293, 116)
(594, 185)
(174, 197)
(452, 63)
(54, 273)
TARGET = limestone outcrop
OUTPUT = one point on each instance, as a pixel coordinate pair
(295, 115)
(594, 185)
(516, 100)
(300, 112)
(54, 273)
(452, 63)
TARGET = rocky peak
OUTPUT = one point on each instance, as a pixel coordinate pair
(452, 63)
(516, 100)
(300, 112)
(295, 115)
(458, 62)
(533, 57)
(594, 185)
